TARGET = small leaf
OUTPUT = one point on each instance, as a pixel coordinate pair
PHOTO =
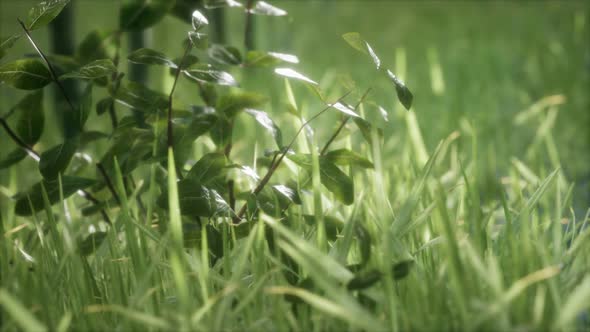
(354, 39)
(85, 108)
(402, 269)
(268, 59)
(332, 224)
(104, 105)
(25, 74)
(91, 243)
(44, 12)
(288, 192)
(374, 56)
(31, 118)
(199, 40)
(226, 55)
(70, 185)
(210, 166)
(403, 93)
(337, 182)
(6, 43)
(210, 4)
(266, 122)
(146, 56)
(94, 70)
(344, 109)
(199, 20)
(95, 46)
(55, 160)
(12, 158)
(364, 241)
(345, 157)
(232, 103)
(140, 15)
(290, 73)
(364, 280)
(196, 200)
(264, 8)
(138, 97)
(366, 128)
(205, 74)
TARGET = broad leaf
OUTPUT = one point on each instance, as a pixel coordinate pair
(345, 157)
(268, 124)
(344, 109)
(93, 70)
(226, 55)
(290, 73)
(209, 4)
(196, 200)
(199, 20)
(44, 12)
(363, 280)
(70, 185)
(403, 93)
(95, 46)
(401, 269)
(55, 160)
(12, 158)
(210, 166)
(231, 104)
(31, 118)
(199, 40)
(25, 74)
(6, 43)
(268, 59)
(142, 14)
(147, 56)
(138, 97)
(206, 74)
(264, 8)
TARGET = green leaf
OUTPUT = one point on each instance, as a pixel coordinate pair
(44, 12)
(25, 74)
(403, 93)
(402, 269)
(89, 245)
(198, 20)
(264, 8)
(345, 157)
(70, 185)
(363, 280)
(288, 193)
(93, 70)
(85, 108)
(364, 241)
(333, 225)
(209, 4)
(31, 120)
(266, 122)
(140, 15)
(210, 166)
(199, 40)
(138, 97)
(95, 46)
(290, 73)
(354, 39)
(146, 56)
(196, 200)
(185, 134)
(91, 136)
(55, 160)
(366, 128)
(226, 55)
(268, 59)
(206, 74)
(344, 109)
(233, 103)
(12, 158)
(103, 105)
(6, 43)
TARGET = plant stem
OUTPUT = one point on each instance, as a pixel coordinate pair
(170, 96)
(273, 167)
(249, 27)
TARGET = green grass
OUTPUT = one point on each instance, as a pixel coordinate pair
(479, 188)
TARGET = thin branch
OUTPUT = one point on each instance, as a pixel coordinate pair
(273, 167)
(248, 28)
(178, 70)
(49, 66)
(342, 124)
(108, 182)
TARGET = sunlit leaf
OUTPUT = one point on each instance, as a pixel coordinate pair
(403, 93)
(148, 56)
(373, 55)
(226, 55)
(264, 8)
(70, 185)
(264, 120)
(196, 200)
(344, 109)
(199, 40)
(206, 74)
(6, 43)
(55, 160)
(290, 73)
(288, 192)
(93, 70)
(354, 39)
(209, 4)
(210, 166)
(25, 74)
(139, 15)
(268, 59)
(199, 20)
(44, 12)
(345, 157)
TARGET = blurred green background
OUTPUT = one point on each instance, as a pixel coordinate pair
(469, 64)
